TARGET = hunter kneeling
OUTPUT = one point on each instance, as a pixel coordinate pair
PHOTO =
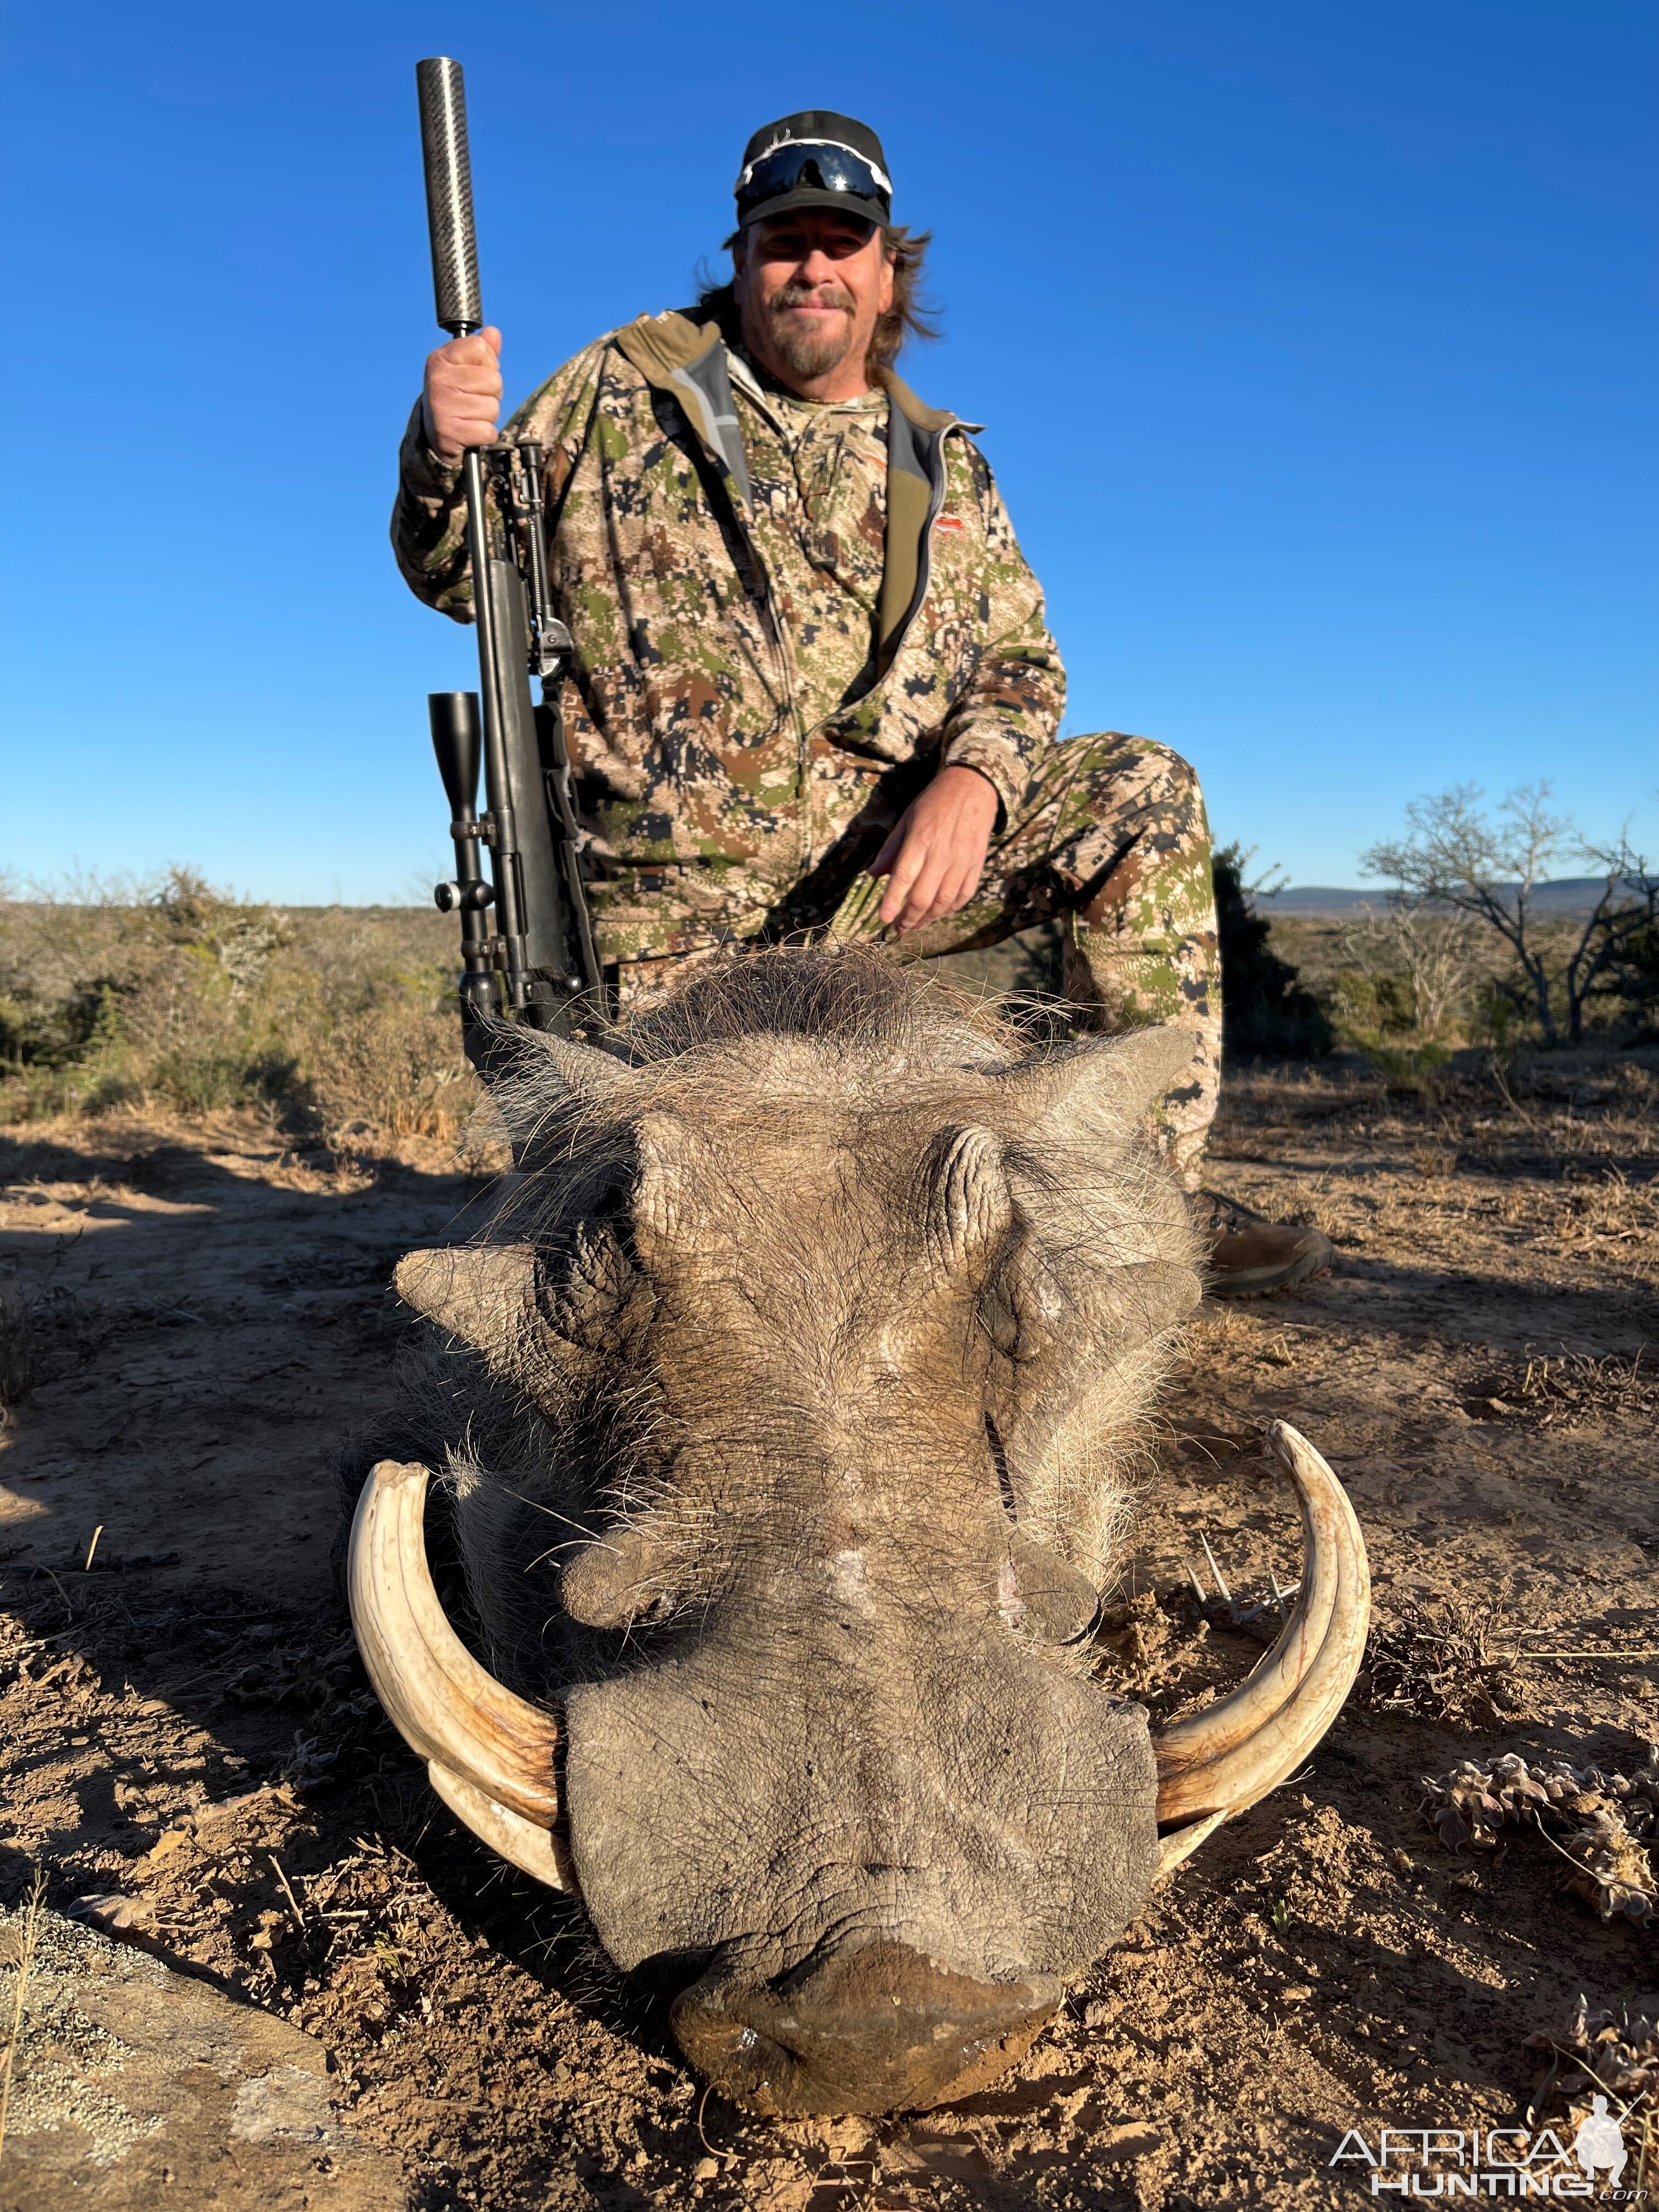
(814, 694)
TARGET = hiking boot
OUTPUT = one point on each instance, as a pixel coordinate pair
(1250, 1255)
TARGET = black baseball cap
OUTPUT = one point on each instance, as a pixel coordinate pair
(815, 158)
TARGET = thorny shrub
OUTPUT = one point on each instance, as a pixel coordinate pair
(175, 996)
(1441, 1660)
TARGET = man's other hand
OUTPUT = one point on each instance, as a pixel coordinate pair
(463, 394)
(936, 854)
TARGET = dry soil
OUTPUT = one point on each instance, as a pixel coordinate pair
(197, 1317)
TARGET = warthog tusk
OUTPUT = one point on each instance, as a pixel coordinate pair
(489, 1755)
(1232, 1753)
(1181, 1843)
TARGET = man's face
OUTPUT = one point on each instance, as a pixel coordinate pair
(811, 287)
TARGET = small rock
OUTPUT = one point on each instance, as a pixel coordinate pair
(128, 1918)
(706, 2169)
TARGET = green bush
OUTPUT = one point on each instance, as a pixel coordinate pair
(1268, 1014)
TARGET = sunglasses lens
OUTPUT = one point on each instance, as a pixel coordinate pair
(824, 168)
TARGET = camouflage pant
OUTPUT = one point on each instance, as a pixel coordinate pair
(1110, 841)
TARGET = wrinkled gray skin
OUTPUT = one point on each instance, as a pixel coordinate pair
(807, 1452)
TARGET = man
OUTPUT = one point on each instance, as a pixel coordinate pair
(814, 694)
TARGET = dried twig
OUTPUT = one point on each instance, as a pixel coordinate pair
(1586, 1652)
(61, 1591)
(26, 1958)
(294, 1902)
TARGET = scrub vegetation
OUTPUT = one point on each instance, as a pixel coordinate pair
(170, 996)
(1464, 947)
(337, 1023)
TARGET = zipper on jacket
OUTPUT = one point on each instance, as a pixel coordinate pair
(925, 554)
(784, 646)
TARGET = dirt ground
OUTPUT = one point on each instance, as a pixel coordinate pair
(183, 1721)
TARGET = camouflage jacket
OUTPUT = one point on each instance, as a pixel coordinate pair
(683, 712)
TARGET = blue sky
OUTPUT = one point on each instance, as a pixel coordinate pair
(1316, 345)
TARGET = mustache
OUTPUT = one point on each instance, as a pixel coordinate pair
(804, 295)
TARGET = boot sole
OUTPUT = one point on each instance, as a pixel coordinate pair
(1257, 1282)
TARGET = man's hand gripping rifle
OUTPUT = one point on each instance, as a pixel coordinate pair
(539, 957)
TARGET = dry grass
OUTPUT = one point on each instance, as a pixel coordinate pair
(172, 996)
(1563, 1392)
(24, 1960)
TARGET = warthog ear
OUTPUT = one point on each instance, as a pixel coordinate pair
(965, 1194)
(616, 1577)
(1048, 1596)
(483, 1293)
(1100, 1087)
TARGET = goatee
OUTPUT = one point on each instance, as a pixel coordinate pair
(809, 353)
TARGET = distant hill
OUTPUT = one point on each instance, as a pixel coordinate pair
(1316, 901)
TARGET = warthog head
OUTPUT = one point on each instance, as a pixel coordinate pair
(793, 1406)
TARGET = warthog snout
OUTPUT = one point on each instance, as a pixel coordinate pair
(874, 2030)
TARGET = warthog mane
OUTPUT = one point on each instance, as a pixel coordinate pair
(539, 1461)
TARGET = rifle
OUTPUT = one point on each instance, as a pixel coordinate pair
(540, 957)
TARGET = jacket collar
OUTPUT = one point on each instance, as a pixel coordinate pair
(688, 358)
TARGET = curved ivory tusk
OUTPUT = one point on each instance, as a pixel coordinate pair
(526, 1845)
(1232, 1753)
(490, 1754)
(1181, 1843)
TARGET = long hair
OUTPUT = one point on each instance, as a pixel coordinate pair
(910, 316)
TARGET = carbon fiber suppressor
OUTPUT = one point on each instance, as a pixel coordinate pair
(442, 92)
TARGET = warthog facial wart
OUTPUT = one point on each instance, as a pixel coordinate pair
(786, 1423)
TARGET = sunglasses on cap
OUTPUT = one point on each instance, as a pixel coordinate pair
(834, 168)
